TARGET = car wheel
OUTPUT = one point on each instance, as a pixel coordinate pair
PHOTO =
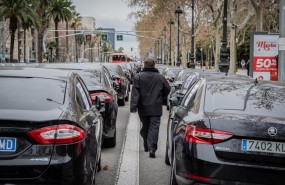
(127, 97)
(110, 142)
(166, 158)
(173, 171)
(99, 165)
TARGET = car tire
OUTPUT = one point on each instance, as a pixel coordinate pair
(121, 102)
(127, 97)
(99, 165)
(166, 158)
(173, 172)
(110, 142)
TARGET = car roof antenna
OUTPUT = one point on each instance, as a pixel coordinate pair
(255, 81)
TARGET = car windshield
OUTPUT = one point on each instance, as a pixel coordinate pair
(246, 98)
(31, 93)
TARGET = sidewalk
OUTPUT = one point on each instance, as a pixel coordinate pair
(242, 72)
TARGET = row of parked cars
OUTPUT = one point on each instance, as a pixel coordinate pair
(225, 129)
(54, 119)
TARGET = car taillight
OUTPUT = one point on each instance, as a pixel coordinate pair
(205, 135)
(57, 134)
(103, 95)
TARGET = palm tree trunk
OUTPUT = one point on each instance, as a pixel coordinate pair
(19, 53)
(67, 46)
(25, 45)
(76, 52)
(56, 41)
(13, 27)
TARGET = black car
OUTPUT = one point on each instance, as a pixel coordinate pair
(229, 131)
(118, 76)
(50, 132)
(98, 84)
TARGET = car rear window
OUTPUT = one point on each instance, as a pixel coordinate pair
(246, 98)
(31, 93)
(229, 95)
(90, 77)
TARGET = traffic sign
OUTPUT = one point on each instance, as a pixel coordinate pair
(104, 37)
(119, 37)
(88, 37)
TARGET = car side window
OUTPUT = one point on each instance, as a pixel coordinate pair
(81, 96)
(106, 81)
(197, 101)
(188, 98)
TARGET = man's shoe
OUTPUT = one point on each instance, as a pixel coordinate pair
(151, 154)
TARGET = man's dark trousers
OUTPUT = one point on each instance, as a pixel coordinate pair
(150, 131)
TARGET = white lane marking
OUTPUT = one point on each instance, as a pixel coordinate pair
(128, 170)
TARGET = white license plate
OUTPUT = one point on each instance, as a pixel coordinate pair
(7, 144)
(263, 146)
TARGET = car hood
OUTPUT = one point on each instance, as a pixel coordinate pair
(30, 115)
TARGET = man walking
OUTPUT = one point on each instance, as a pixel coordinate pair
(149, 89)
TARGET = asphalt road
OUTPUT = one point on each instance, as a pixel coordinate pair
(111, 156)
(151, 171)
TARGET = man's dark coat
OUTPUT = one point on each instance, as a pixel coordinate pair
(149, 88)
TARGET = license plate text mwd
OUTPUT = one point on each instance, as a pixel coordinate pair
(7, 144)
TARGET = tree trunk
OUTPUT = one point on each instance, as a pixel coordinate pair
(66, 41)
(19, 45)
(218, 48)
(40, 44)
(13, 28)
(25, 46)
(233, 50)
(76, 50)
(56, 41)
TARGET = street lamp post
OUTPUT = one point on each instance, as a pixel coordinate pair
(178, 11)
(224, 61)
(192, 56)
(170, 23)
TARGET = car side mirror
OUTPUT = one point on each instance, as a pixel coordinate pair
(115, 86)
(174, 101)
(178, 85)
(100, 104)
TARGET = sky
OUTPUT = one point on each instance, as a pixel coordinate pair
(111, 14)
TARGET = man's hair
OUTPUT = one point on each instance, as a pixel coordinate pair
(149, 63)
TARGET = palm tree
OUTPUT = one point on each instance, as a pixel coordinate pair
(67, 21)
(59, 10)
(32, 21)
(51, 45)
(41, 6)
(75, 23)
(17, 11)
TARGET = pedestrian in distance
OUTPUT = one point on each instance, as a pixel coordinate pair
(242, 63)
(149, 89)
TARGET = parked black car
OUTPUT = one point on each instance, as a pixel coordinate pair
(228, 131)
(50, 132)
(123, 84)
(98, 84)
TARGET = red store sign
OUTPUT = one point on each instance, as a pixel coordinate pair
(265, 53)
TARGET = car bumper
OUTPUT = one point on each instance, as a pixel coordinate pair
(198, 164)
(66, 166)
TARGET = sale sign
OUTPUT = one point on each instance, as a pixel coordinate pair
(265, 54)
